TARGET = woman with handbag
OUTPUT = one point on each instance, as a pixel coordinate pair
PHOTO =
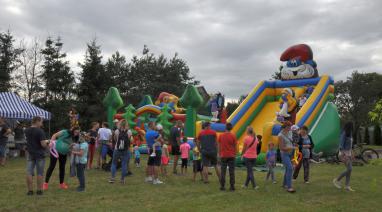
(249, 154)
(346, 143)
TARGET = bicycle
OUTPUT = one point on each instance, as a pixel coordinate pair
(364, 154)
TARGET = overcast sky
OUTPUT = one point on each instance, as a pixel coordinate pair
(229, 45)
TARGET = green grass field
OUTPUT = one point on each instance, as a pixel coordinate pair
(179, 193)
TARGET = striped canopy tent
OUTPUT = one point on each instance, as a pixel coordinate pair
(14, 107)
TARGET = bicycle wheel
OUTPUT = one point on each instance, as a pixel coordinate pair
(369, 154)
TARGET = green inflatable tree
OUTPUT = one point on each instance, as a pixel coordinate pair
(191, 100)
(130, 116)
(145, 118)
(164, 119)
(112, 102)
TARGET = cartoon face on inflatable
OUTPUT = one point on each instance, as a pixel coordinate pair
(287, 96)
(302, 71)
(299, 63)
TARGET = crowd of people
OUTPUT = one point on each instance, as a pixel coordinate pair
(209, 150)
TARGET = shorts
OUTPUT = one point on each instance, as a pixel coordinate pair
(3, 150)
(184, 162)
(165, 160)
(39, 164)
(154, 161)
(197, 166)
(175, 150)
(209, 159)
(104, 148)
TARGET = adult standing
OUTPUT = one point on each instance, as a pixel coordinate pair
(64, 140)
(209, 148)
(175, 135)
(92, 134)
(286, 148)
(227, 150)
(154, 162)
(105, 142)
(36, 145)
(305, 145)
(5, 131)
(249, 154)
(346, 143)
(123, 137)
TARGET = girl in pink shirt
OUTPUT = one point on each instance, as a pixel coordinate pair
(184, 153)
(249, 154)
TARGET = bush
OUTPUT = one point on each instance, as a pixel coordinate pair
(377, 135)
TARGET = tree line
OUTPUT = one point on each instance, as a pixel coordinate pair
(40, 73)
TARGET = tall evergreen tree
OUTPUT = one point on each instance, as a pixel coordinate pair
(94, 84)
(58, 83)
(119, 71)
(8, 59)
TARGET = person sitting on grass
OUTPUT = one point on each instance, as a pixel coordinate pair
(36, 147)
(81, 158)
(196, 163)
(227, 150)
(185, 152)
(271, 162)
(305, 145)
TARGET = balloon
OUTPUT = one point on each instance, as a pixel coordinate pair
(52, 148)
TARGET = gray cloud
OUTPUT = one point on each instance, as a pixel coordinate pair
(229, 45)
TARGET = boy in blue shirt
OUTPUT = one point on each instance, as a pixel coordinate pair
(81, 159)
(154, 160)
(271, 162)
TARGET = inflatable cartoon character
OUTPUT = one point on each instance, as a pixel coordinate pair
(169, 99)
(299, 63)
(287, 102)
(74, 117)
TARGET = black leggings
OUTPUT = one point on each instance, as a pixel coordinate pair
(52, 165)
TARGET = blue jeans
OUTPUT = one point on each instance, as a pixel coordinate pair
(124, 156)
(81, 174)
(286, 158)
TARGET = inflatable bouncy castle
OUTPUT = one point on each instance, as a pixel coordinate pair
(271, 102)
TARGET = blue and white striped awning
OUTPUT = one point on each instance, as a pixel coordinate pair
(14, 107)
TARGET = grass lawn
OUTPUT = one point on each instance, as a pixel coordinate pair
(179, 193)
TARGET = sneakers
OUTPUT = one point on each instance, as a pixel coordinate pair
(256, 187)
(307, 182)
(30, 193)
(348, 188)
(274, 182)
(39, 193)
(336, 183)
(80, 189)
(111, 180)
(148, 179)
(244, 186)
(45, 186)
(232, 188)
(64, 186)
(157, 182)
(153, 154)
(123, 181)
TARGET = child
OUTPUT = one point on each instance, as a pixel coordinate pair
(164, 159)
(197, 162)
(81, 155)
(184, 151)
(271, 161)
(137, 156)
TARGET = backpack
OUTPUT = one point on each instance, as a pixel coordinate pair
(123, 141)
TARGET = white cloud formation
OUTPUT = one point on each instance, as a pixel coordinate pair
(229, 45)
